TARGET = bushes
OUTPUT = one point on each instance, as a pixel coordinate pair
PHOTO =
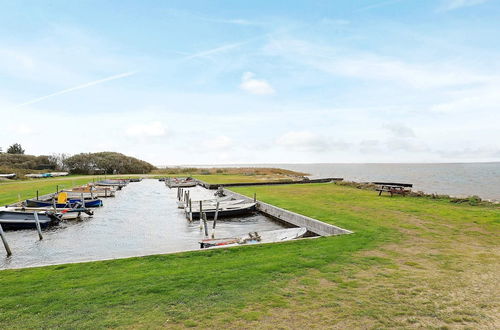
(107, 163)
(19, 161)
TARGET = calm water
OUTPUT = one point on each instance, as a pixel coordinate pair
(464, 179)
(142, 219)
(481, 179)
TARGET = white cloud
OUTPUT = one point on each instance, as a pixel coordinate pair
(371, 66)
(255, 86)
(302, 141)
(218, 143)
(400, 130)
(456, 4)
(74, 88)
(21, 129)
(155, 128)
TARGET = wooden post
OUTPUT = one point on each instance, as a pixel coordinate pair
(215, 219)
(37, 195)
(201, 211)
(190, 210)
(254, 197)
(37, 222)
(57, 189)
(83, 201)
(5, 244)
(205, 224)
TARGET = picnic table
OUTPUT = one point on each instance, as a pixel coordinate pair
(392, 189)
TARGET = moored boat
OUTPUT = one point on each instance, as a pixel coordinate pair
(70, 203)
(63, 214)
(270, 236)
(224, 210)
(26, 220)
(213, 201)
(180, 182)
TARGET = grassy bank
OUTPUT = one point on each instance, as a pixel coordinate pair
(11, 192)
(410, 262)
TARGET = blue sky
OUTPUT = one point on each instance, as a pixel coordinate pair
(212, 82)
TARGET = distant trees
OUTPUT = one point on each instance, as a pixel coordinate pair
(84, 163)
(59, 161)
(15, 149)
(20, 161)
(107, 163)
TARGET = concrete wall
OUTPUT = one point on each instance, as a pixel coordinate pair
(312, 225)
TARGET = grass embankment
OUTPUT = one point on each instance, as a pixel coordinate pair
(11, 192)
(410, 262)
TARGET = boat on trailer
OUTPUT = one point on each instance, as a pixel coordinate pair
(271, 236)
(26, 220)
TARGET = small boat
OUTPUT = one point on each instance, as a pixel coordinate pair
(180, 182)
(182, 204)
(8, 176)
(63, 214)
(26, 220)
(270, 236)
(224, 210)
(70, 203)
(90, 194)
(119, 184)
(135, 179)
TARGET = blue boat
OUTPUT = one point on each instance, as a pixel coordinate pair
(71, 203)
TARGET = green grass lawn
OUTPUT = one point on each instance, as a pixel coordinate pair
(11, 192)
(412, 262)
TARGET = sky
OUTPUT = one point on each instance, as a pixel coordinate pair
(242, 82)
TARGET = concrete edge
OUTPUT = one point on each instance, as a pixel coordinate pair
(313, 225)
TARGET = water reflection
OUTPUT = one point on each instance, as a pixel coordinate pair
(142, 219)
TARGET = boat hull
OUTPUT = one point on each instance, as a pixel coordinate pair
(272, 236)
(224, 213)
(70, 203)
(25, 220)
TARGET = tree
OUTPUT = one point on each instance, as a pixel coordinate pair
(15, 149)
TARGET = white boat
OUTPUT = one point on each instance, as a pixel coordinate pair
(223, 211)
(180, 182)
(182, 204)
(8, 176)
(93, 194)
(271, 236)
(64, 214)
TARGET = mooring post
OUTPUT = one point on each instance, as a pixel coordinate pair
(83, 201)
(215, 219)
(57, 189)
(205, 224)
(254, 197)
(37, 195)
(5, 244)
(38, 228)
(201, 211)
(190, 210)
